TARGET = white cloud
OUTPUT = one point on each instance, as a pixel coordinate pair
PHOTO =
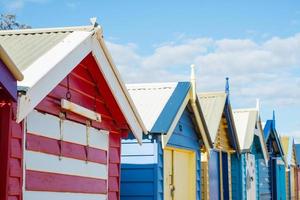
(268, 70)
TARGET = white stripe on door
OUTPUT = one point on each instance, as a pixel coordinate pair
(69, 166)
(48, 126)
(33, 195)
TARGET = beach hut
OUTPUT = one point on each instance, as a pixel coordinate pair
(73, 108)
(217, 173)
(9, 75)
(291, 167)
(167, 165)
(254, 155)
(276, 165)
(297, 151)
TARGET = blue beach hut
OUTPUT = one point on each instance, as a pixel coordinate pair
(254, 155)
(276, 180)
(168, 164)
(216, 170)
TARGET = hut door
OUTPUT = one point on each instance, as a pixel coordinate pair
(250, 176)
(179, 174)
(280, 182)
(214, 175)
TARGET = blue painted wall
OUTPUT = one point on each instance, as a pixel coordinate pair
(238, 166)
(186, 138)
(264, 180)
(239, 174)
(139, 169)
(214, 175)
(142, 166)
(281, 181)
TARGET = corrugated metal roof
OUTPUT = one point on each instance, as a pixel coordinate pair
(26, 46)
(245, 120)
(150, 99)
(212, 105)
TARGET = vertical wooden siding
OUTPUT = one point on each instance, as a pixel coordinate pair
(11, 154)
(204, 177)
(264, 180)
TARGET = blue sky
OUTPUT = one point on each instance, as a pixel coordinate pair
(255, 43)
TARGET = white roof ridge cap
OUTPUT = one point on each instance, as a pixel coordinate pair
(46, 30)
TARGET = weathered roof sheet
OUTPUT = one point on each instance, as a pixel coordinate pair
(150, 100)
(245, 120)
(24, 49)
(212, 105)
(25, 46)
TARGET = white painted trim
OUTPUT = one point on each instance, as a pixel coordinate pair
(165, 138)
(50, 163)
(116, 88)
(37, 195)
(260, 134)
(51, 68)
(48, 126)
(200, 125)
(75, 108)
(61, 60)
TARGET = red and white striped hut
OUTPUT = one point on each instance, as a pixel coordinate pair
(72, 110)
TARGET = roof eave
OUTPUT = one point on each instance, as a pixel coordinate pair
(17, 74)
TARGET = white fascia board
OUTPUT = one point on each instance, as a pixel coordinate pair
(260, 133)
(165, 138)
(116, 88)
(201, 128)
(51, 68)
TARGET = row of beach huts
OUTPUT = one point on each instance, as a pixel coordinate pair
(70, 129)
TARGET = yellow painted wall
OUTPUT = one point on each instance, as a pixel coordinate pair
(180, 174)
(204, 177)
(222, 140)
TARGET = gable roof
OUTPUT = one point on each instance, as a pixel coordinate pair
(150, 100)
(269, 130)
(46, 56)
(288, 148)
(9, 63)
(247, 123)
(161, 105)
(214, 104)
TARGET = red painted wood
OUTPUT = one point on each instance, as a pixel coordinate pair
(114, 155)
(5, 124)
(114, 184)
(44, 181)
(113, 196)
(71, 150)
(114, 170)
(15, 178)
(114, 140)
(86, 82)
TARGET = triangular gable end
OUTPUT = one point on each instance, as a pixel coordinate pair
(219, 118)
(270, 133)
(248, 127)
(60, 60)
(289, 150)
